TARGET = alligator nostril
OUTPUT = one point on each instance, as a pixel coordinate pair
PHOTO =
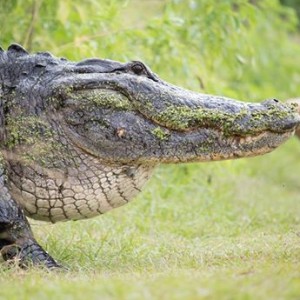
(270, 102)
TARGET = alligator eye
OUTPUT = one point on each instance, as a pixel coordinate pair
(137, 69)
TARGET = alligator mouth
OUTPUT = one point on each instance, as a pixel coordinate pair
(248, 145)
(213, 145)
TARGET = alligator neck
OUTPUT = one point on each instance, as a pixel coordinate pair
(85, 189)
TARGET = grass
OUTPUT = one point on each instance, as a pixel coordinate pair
(225, 230)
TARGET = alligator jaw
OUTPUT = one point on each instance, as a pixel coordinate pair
(212, 145)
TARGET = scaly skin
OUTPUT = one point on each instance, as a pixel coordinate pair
(78, 139)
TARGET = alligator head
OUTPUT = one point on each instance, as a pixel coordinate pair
(124, 113)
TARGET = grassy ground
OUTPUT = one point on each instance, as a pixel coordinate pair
(228, 230)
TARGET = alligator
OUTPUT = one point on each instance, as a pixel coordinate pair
(78, 139)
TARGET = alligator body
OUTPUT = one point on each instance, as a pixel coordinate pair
(79, 139)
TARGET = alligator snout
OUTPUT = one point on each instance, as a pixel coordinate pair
(281, 117)
(182, 110)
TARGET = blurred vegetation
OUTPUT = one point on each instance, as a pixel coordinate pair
(239, 48)
(295, 4)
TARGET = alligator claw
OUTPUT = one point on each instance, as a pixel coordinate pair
(28, 253)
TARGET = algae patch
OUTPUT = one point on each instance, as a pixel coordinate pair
(102, 98)
(242, 122)
(33, 140)
(160, 133)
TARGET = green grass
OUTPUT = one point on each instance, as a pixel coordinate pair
(225, 230)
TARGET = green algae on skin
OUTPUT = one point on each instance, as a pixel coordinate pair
(26, 130)
(2, 167)
(1, 161)
(103, 99)
(183, 118)
(160, 133)
(33, 139)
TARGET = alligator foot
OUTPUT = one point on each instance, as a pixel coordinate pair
(16, 238)
(27, 252)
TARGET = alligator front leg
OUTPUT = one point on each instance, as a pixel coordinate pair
(16, 238)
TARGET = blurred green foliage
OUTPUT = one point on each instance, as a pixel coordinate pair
(295, 4)
(239, 48)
